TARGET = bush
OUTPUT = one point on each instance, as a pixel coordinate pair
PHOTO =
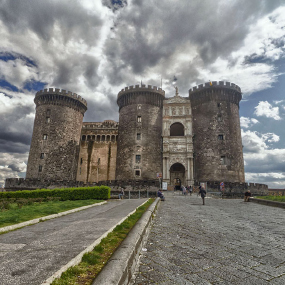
(80, 193)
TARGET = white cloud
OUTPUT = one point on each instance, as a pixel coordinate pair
(247, 122)
(264, 108)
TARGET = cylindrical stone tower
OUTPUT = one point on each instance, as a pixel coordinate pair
(139, 153)
(217, 140)
(56, 135)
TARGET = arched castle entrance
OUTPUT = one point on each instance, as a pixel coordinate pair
(177, 175)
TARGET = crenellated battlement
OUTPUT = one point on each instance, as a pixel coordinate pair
(215, 84)
(140, 88)
(57, 91)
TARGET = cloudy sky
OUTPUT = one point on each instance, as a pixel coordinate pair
(95, 48)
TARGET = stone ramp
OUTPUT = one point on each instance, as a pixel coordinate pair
(227, 241)
(32, 254)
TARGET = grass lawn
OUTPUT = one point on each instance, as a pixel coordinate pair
(92, 263)
(17, 215)
(272, 198)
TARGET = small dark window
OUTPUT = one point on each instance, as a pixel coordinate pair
(138, 136)
(219, 118)
(103, 138)
(137, 173)
(45, 137)
(48, 112)
(40, 168)
(81, 160)
(48, 120)
(220, 137)
(138, 158)
(218, 104)
(223, 160)
(84, 138)
(139, 119)
(42, 155)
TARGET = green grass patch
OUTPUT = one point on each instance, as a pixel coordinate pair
(272, 198)
(93, 262)
(15, 215)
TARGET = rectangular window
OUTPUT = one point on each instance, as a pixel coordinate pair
(40, 168)
(81, 160)
(45, 137)
(137, 173)
(42, 155)
(220, 137)
(223, 160)
(139, 119)
(48, 119)
(138, 136)
(48, 112)
(138, 159)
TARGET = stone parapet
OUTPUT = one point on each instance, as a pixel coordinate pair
(61, 97)
(215, 84)
(140, 88)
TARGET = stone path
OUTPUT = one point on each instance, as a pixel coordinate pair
(223, 242)
(32, 254)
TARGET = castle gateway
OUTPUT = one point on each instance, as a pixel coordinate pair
(188, 139)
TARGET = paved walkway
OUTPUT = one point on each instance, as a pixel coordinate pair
(32, 254)
(223, 242)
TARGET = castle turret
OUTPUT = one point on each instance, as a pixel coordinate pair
(217, 141)
(139, 153)
(56, 135)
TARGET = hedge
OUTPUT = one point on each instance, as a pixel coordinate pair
(78, 193)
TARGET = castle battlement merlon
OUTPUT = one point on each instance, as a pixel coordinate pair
(139, 88)
(57, 91)
(215, 84)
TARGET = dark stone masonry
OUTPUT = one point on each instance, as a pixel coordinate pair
(175, 140)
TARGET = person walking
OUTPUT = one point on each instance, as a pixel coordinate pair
(203, 193)
(190, 190)
(121, 195)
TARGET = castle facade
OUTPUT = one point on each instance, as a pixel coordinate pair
(183, 140)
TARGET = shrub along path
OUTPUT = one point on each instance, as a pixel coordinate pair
(32, 254)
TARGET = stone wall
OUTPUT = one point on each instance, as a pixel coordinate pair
(217, 136)
(139, 140)
(98, 152)
(56, 134)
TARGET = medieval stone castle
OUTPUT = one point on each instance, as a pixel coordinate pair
(182, 140)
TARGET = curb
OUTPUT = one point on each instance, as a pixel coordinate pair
(268, 202)
(77, 259)
(122, 264)
(44, 218)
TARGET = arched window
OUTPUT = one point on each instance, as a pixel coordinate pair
(88, 138)
(108, 138)
(84, 138)
(93, 138)
(103, 138)
(176, 130)
(113, 138)
(98, 138)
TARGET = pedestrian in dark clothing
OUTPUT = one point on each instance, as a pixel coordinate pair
(203, 192)
(247, 194)
(160, 195)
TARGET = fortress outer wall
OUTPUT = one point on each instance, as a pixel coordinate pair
(56, 134)
(217, 140)
(139, 153)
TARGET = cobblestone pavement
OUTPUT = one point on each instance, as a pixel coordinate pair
(223, 242)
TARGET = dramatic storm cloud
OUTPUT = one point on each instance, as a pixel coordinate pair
(95, 48)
